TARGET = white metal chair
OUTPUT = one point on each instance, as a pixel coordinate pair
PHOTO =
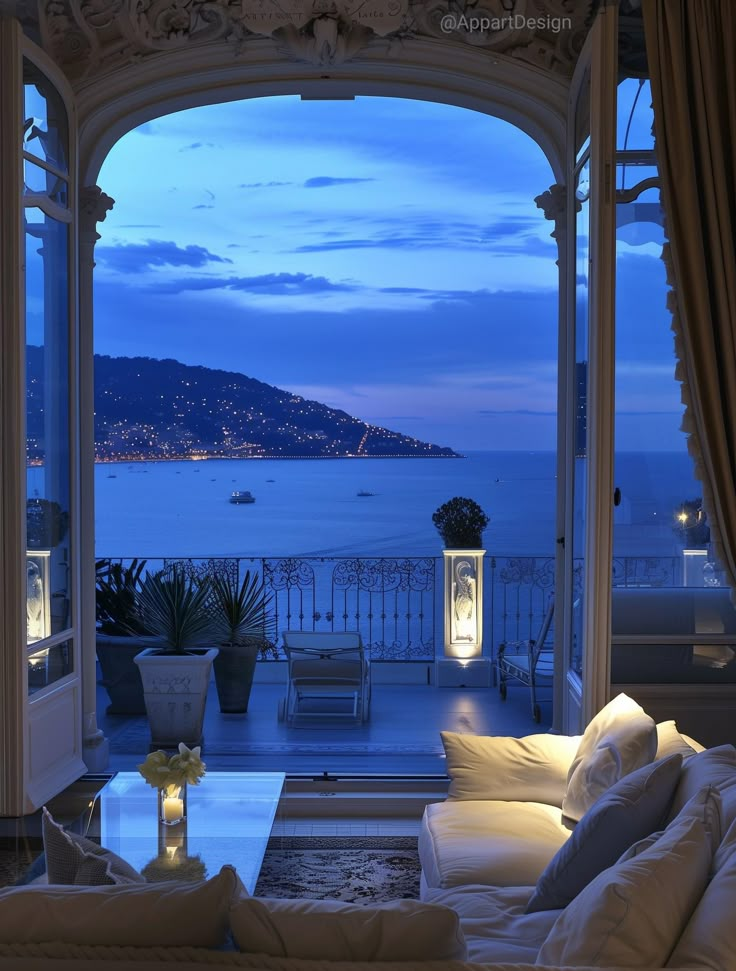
(529, 662)
(328, 676)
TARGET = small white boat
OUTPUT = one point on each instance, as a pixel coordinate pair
(242, 496)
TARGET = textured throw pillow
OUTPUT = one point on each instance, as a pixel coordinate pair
(621, 738)
(632, 914)
(330, 930)
(73, 859)
(714, 767)
(530, 769)
(631, 810)
(140, 915)
(709, 939)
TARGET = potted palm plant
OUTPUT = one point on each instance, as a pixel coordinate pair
(176, 674)
(120, 634)
(244, 632)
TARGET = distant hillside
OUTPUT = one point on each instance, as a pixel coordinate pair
(150, 409)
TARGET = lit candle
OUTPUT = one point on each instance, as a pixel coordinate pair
(173, 809)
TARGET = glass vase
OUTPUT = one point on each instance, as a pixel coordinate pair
(172, 805)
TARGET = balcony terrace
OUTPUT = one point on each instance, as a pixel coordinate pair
(396, 604)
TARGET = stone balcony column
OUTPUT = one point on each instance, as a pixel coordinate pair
(553, 204)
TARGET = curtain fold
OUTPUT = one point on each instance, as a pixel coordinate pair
(691, 49)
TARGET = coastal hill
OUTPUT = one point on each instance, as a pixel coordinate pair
(151, 409)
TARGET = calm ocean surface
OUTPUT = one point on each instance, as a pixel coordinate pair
(311, 507)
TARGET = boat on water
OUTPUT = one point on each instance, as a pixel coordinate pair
(363, 492)
(242, 496)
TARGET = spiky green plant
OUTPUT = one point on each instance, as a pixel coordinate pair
(117, 588)
(241, 610)
(175, 608)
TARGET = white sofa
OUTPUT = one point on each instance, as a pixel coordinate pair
(668, 902)
(501, 844)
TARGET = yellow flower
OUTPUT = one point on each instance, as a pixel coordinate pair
(162, 772)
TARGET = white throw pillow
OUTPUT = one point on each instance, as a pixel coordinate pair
(141, 915)
(621, 738)
(330, 930)
(73, 859)
(632, 915)
(530, 769)
(631, 810)
(671, 742)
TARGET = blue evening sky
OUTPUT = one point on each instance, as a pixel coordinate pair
(381, 256)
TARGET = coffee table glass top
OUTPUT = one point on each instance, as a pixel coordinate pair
(229, 820)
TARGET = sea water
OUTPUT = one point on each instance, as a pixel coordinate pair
(311, 507)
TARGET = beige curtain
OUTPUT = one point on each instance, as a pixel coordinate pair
(691, 48)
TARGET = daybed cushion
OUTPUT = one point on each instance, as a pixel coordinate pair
(632, 914)
(620, 739)
(73, 859)
(530, 769)
(495, 924)
(145, 915)
(632, 809)
(498, 844)
(331, 930)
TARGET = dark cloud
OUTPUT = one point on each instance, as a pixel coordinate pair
(133, 257)
(196, 145)
(203, 206)
(325, 181)
(275, 284)
(262, 185)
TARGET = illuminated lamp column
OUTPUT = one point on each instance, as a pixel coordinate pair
(463, 603)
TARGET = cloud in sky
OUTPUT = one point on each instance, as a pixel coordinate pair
(325, 181)
(282, 284)
(263, 185)
(196, 145)
(134, 257)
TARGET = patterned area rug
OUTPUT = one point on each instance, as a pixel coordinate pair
(355, 870)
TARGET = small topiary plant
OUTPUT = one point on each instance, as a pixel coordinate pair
(460, 522)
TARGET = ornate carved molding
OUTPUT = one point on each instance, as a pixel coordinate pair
(88, 38)
(94, 205)
(553, 204)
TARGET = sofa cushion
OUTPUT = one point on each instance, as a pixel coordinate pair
(631, 810)
(530, 769)
(330, 930)
(141, 915)
(73, 859)
(709, 939)
(621, 738)
(715, 767)
(632, 914)
(495, 924)
(498, 844)
(671, 742)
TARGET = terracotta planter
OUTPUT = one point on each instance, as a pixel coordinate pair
(175, 692)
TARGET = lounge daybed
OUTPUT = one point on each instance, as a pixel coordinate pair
(616, 849)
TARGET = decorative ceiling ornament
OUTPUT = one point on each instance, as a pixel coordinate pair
(88, 38)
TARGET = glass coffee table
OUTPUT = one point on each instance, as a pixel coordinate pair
(229, 820)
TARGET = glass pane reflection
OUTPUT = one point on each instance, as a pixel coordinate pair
(45, 124)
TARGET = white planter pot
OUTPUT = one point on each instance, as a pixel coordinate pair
(175, 691)
(463, 603)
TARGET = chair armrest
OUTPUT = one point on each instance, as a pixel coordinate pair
(529, 769)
